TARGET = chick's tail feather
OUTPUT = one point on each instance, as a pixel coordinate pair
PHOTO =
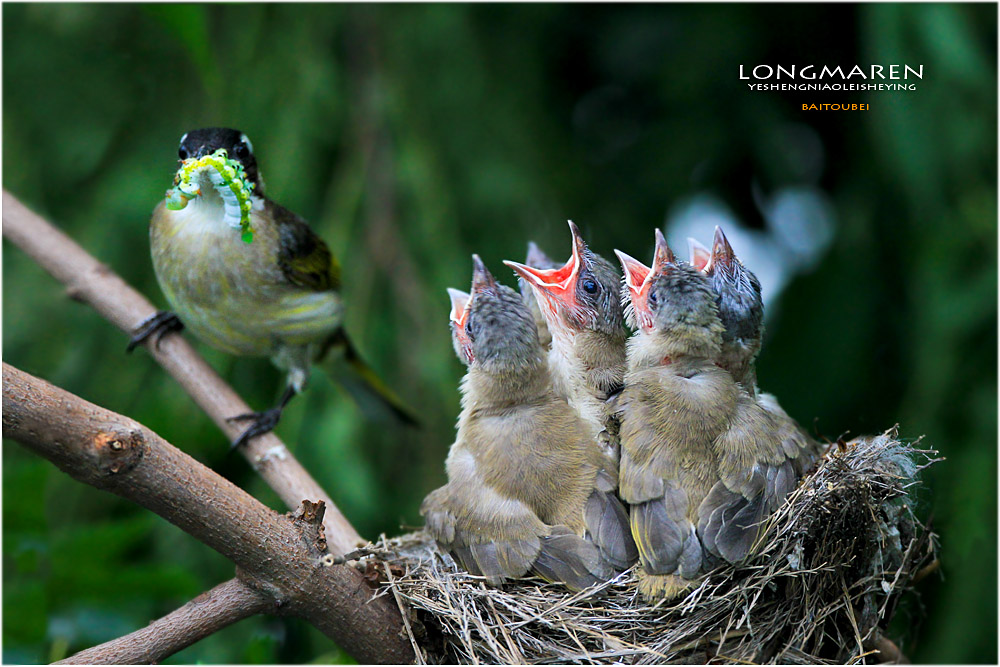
(372, 395)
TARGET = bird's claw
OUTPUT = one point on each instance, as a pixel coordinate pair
(160, 324)
(263, 422)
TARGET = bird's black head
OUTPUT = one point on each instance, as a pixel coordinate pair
(198, 143)
(738, 294)
(499, 325)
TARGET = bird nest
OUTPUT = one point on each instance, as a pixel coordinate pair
(825, 579)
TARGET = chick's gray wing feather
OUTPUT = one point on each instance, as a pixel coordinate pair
(490, 535)
(569, 559)
(608, 527)
(756, 476)
(662, 532)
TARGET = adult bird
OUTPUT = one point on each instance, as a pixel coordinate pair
(700, 467)
(526, 491)
(248, 276)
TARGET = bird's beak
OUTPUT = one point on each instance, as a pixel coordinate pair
(722, 253)
(459, 306)
(637, 277)
(458, 316)
(701, 257)
(557, 286)
(662, 256)
(536, 256)
(482, 279)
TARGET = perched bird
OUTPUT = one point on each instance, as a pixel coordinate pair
(741, 311)
(248, 276)
(700, 464)
(526, 491)
(582, 306)
(536, 258)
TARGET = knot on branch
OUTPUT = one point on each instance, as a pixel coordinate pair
(308, 520)
(118, 452)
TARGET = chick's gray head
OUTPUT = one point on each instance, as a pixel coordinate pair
(738, 294)
(580, 295)
(499, 327)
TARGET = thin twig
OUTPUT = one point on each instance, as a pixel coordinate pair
(208, 613)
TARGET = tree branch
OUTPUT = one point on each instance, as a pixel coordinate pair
(286, 554)
(208, 613)
(95, 284)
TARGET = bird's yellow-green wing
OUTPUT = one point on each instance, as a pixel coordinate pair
(303, 257)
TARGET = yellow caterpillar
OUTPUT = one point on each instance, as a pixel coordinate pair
(229, 181)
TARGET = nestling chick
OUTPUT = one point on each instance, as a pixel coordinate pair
(582, 307)
(741, 310)
(526, 491)
(700, 464)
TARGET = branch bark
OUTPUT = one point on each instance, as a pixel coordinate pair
(285, 554)
(208, 613)
(95, 284)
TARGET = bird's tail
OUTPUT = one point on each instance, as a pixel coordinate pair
(367, 389)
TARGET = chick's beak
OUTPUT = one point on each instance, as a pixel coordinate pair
(458, 316)
(637, 277)
(482, 279)
(701, 256)
(536, 256)
(722, 253)
(459, 304)
(557, 286)
(662, 255)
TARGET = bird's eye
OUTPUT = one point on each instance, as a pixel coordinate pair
(242, 151)
(182, 153)
(468, 330)
(590, 286)
(652, 299)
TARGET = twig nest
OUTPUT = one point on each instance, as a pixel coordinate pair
(821, 586)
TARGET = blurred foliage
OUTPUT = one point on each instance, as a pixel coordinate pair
(411, 136)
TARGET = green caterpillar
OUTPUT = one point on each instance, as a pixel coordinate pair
(229, 181)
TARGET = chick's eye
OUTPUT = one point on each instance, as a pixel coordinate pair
(590, 286)
(468, 330)
(242, 151)
(652, 299)
(182, 153)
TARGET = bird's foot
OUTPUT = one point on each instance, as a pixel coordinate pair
(263, 422)
(160, 324)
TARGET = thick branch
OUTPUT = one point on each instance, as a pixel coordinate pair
(89, 281)
(208, 613)
(285, 554)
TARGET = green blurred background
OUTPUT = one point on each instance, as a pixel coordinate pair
(411, 136)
